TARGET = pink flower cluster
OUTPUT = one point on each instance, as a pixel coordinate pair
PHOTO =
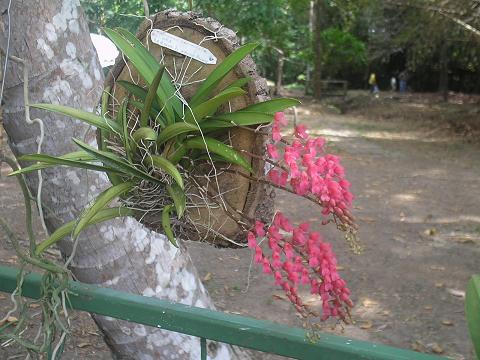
(305, 169)
(296, 257)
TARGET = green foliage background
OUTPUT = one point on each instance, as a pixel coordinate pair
(358, 36)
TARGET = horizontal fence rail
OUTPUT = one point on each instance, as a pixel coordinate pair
(232, 329)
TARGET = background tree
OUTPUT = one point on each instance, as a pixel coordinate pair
(122, 254)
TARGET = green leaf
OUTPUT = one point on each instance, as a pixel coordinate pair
(87, 117)
(138, 92)
(144, 62)
(166, 82)
(219, 148)
(122, 120)
(104, 108)
(272, 106)
(238, 118)
(102, 200)
(179, 199)
(167, 228)
(177, 155)
(162, 163)
(117, 163)
(217, 75)
(78, 159)
(151, 95)
(209, 107)
(159, 119)
(144, 133)
(175, 129)
(66, 229)
(239, 83)
(472, 311)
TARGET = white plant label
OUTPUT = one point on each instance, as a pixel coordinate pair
(183, 46)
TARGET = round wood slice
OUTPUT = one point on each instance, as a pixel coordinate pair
(252, 198)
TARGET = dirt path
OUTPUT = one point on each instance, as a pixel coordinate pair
(416, 203)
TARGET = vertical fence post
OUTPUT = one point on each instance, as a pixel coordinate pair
(203, 349)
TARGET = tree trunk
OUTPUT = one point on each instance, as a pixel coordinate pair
(317, 48)
(122, 254)
(278, 82)
(443, 79)
(308, 75)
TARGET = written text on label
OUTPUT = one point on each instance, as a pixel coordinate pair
(183, 46)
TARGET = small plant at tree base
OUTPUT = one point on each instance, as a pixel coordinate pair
(154, 141)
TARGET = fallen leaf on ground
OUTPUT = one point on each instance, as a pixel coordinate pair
(457, 293)
(366, 219)
(428, 307)
(207, 277)
(439, 285)
(437, 349)
(10, 319)
(447, 323)
(366, 325)
(34, 306)
(417, 346)
(340, 268)
(84, 344)
(369, 303)
(437, 267)
(430, 232)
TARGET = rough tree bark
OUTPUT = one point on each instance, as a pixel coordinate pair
(121, 254)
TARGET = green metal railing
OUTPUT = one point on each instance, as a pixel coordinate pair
(206, 324)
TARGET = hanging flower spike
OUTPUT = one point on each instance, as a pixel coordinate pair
(307, 261)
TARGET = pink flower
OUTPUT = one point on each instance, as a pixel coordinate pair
(259, 228)
(272, 151)
(252, 240)
(301, 131)
(280, 119)
(276, 136)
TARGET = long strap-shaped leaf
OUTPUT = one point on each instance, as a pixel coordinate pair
(167, 228)
(162, 163)
(137, 54)
(174, 130)
(238, 118)
(77, 159)
(199, 112)
(159, 119)
(272, 106)
(104, 108)
(238, 83)
(179, 199)
(87, 117)
(217, 75)
(219, 148)
(138, 92)
(151, 95)
(117, 163)
(166, 82)
(102, 200)
(123, 121)
(66, 229)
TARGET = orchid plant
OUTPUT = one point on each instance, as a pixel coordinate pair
(155, 139)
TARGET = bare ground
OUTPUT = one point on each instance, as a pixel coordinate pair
(415, 178)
